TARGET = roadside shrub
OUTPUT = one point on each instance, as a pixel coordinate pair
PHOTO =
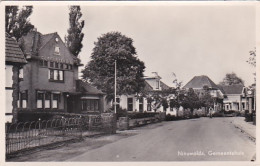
(140, 115)
(28, 116)
(170, 117)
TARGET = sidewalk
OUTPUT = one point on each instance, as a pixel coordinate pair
(244, 126)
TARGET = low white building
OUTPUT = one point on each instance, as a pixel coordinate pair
(133, 104)
(236, 98)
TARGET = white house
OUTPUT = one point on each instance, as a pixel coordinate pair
(237, 98)
(133, 104)
(14, 60)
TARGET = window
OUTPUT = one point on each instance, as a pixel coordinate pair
(48, 100)
(130, 104)
(117, 103)
(56, 75)
(141, 104)
(51, 64)
(61, 66)
(57, 50)
(149, 106)
(55, 100)
(90, 105)
(157, 84)
(45, 63)
(24, 99)
(40, 99)
(56, 65)
(21, 73)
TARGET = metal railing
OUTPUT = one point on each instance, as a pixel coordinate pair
(27, 135)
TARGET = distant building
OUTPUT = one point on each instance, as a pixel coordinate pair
(51, 81)
(14, 61)
(132, 103)
(199, 83)
(238, 98)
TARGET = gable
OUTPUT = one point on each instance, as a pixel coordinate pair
(47, 51)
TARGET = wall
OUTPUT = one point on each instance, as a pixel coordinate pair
(8, 92)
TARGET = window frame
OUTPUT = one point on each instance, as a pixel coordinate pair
(130, 104)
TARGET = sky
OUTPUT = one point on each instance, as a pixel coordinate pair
(188, 40)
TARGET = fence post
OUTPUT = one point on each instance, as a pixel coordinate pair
(123, 123)
(80, 126)
(39, 131)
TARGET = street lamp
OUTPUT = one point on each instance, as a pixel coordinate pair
(115, 89)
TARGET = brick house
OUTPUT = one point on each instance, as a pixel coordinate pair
(14, 60)
(51, 78)
(198, 83)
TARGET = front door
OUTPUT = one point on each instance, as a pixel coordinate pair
(70, 104)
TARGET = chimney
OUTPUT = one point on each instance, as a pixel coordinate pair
(36, 40)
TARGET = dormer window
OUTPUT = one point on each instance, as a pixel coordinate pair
(57, 50)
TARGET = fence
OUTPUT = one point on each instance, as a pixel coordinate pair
(27, 135)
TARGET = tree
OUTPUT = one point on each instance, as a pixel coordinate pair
(190, 100)
(75, 36)
(231, 79)
(252, 61)
(206, 99)
(17, 23)
(100, 71)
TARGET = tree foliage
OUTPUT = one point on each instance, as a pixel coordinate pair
(17, 21)
(206, 99)
(190, 100)
(100, 71)
(252, 58)
(75, 36)
(231, 79)
(252, 61)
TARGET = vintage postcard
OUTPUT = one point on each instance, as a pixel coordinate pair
(158, 82)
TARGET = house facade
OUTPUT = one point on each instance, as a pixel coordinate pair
(133, 103)
(199, 83)
(51, 81)
(14, 61)
(238, 98)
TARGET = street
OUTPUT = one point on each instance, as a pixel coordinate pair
(202, 139)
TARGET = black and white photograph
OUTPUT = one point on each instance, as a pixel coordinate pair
(130, 82)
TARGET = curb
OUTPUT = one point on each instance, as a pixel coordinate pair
(244, 131)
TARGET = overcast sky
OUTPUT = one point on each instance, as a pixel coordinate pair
(187, 40)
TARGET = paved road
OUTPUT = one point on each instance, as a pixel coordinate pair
(201, 139)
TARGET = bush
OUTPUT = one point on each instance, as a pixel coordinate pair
(170, 117)
(140, 115)
(29, 116)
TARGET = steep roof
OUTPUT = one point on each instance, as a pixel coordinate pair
(13, 52)
(200, 82)
(164, 86)
(148, 87)
(46, 38)
(89, 89)
(232, 89)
